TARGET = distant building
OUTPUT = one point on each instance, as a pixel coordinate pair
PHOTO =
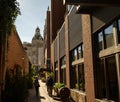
(35, 49)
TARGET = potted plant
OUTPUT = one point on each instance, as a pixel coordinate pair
(57, 86)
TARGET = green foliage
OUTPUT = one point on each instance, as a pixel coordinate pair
(43, 79)
(16, 88)
(81, 86)
(59, 85)
(9, 10)
(50, 74)
(33, 71)
(29, 79)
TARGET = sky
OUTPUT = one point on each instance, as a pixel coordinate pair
(33, 15)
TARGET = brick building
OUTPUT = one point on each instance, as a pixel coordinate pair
(85, 51)
(12, 56)
(16, 54)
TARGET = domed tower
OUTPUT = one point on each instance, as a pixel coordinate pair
(37, 48)
(37, 35)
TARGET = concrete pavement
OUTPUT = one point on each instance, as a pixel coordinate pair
(43, 95)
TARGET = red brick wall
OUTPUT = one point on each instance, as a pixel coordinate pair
(16, 53)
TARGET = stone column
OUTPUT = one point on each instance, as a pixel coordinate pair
(88, 58)
(67, 52)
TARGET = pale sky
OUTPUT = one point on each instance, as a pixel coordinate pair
(33, 14)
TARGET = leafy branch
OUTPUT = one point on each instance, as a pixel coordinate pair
(9, 10)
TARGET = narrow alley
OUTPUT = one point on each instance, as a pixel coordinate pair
(43, 95)
(70, 48)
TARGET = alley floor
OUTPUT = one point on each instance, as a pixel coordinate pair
(43, 95)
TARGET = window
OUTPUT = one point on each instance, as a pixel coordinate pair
(81, 80)
(118, 31)
(106, 68)
(63, 69)
(56, 75)
(63, 60)
(63, 76)
(77, 77)
(56, 71)
(77, 53)
(100, 40)
(105, 38)
(108, 32)
(80, 51)
(56, 64)
(107, 84)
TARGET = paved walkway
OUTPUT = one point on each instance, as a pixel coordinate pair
(43, 95)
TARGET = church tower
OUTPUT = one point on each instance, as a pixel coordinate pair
(37, 48)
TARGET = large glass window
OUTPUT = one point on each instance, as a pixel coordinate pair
(106, 69)
(63, 69)
(105, 38)
(77, 77)
(109, 36)
(107, 84)
(77, 53)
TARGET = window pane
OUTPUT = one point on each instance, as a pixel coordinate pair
(64, 60)
(112, 78)
(101, 79)
(79, 52)
(56, 76)
(73, 77)
(119, 31)
(100, 40)
(81, 79)
(75, 54)
(109, 36)
(63, 76)
(82, 50)
(56, 64)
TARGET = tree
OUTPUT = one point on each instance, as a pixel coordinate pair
(9, 10)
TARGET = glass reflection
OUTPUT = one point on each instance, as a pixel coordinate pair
(109, 36)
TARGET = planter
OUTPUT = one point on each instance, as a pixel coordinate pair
(64, 93)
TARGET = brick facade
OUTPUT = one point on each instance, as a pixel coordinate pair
(82, 35)
(88, 58)
(16, 53)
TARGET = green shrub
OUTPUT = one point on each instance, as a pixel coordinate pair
(29, 80)
(16, 89)
(59, 85)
